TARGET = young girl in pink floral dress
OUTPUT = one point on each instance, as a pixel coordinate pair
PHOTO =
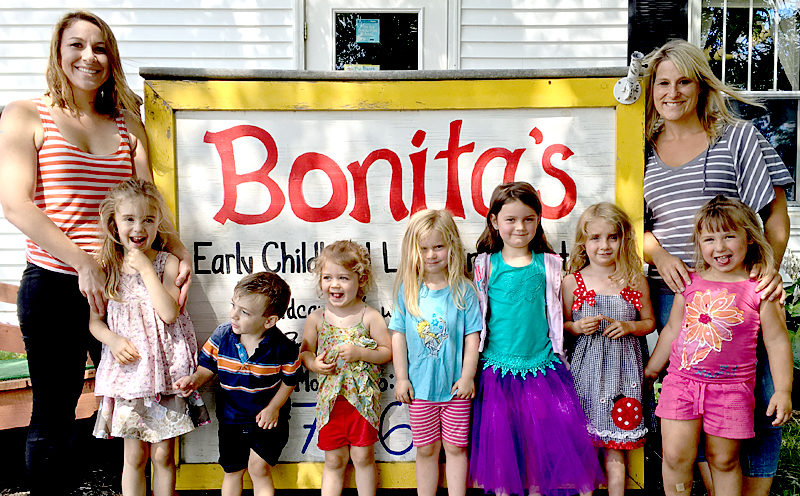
(148, 342)
(710, 341)
(344, 343)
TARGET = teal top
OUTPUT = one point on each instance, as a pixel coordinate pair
(517, 339)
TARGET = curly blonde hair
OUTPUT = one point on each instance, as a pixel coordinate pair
(350, 255)
(629, 263)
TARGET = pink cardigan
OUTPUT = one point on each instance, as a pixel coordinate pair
(553, 307)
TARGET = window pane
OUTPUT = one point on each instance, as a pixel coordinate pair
(779, 125)
(712, 37)
(737, 34)
(773, 23)
(763, 51)
(387, 41)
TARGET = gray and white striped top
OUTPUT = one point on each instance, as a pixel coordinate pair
(741, 164)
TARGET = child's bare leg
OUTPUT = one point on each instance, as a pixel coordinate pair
(428, 468)
(261, 475)
(333, 471)
(163, 457)
(455, 469)
(364, 464)
(233, 483)
(705, 474)
(679, 440)
(615, 463)
(723, 460)
(756, 486)
(136, 454)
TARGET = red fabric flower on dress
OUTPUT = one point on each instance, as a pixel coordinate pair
(632, 297)
(627, 413)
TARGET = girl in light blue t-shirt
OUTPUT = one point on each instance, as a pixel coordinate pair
(436, 324)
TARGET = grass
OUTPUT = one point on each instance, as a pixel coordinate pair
(8, 355)
(787, 480)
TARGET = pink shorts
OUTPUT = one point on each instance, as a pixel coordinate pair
(726, 409)
(446, 420)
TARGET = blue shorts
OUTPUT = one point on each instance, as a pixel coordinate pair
(759, 456)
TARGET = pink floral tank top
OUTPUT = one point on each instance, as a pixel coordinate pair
(717, 341)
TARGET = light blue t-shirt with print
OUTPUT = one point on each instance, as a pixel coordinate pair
(435, 341)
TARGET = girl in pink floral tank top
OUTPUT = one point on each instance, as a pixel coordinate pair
(344, 343)
(710, 341)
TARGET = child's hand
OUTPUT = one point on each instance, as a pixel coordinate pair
(137, 260)
(588, 325)
(403, 391)
(349, 352)
(123, 350)
(320, 366)
(185, 385)
(464, 388)
(650, 374)
(267, 418)
(616, 328)
(781, 405)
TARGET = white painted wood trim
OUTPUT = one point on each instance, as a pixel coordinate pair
(454, 34)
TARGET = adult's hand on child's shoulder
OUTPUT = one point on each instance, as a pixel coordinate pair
(404, 391)
(770, 283)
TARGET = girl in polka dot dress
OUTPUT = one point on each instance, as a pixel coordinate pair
(607, 306)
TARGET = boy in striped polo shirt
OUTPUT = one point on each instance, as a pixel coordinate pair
(258, 369)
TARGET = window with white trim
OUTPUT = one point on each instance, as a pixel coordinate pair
(754, 45)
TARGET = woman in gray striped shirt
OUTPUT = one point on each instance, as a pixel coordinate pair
(698, 149)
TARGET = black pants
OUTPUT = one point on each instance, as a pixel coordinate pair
(54, 320)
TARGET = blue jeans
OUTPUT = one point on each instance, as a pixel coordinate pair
(54, 320)
(758, 456)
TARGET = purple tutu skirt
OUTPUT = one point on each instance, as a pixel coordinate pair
(529, 435)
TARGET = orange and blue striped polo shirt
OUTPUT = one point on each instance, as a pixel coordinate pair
(71, 184)
(248, 383)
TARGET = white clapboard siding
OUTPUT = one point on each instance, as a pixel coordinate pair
(224, 34)
(12, 262)
(231, 34)
(542, 34)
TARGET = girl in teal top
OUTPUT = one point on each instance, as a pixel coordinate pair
(529, 432)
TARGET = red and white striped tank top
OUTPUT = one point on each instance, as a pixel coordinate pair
(71, 184)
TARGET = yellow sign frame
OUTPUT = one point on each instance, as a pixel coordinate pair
(165, 97)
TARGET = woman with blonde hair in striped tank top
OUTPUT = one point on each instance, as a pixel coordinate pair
(59, 155)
